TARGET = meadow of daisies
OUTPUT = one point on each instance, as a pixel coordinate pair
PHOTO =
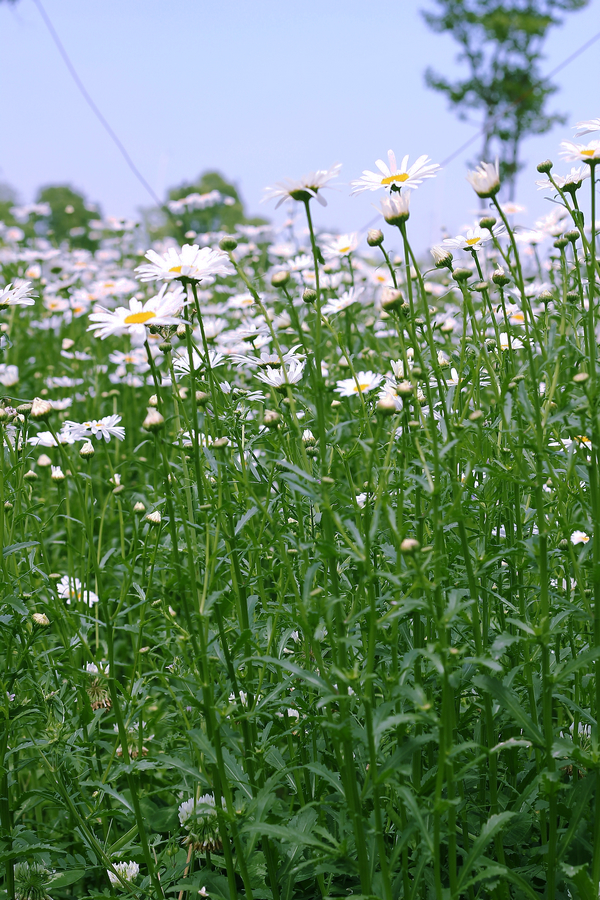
(300, 579)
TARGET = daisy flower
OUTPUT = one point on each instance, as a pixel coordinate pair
(267, 359)
(485, 179)
(281, 376)
(337, 304)
(181, 361)
(395, 208)
(104, 428)
(573, 179)
(515, 343)
(72, 589)
(579, 537)
(16, 296)
(474, 238)
(193, 262)
(159, 310)
(303, 189)
(341, 245)
(580, 152)
(587, 127)
(362, 384)
(394, 175)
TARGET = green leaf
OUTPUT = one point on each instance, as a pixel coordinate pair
(509, 700)
(493, 825)
(14, 548)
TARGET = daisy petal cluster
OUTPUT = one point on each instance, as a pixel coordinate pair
(72, 589)
(19, 295)
(485, 179)
(474, 238)
(126, 871)
(304, 188)
(588, 126)
(362, 384)
(191, 261)
(574, 179)
(394, 175)
(587, 153)
(163, 309)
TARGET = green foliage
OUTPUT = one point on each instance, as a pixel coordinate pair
(501, 44)
(220, 216)
(70, 216)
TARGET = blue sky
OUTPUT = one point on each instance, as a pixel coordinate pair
(259, 90)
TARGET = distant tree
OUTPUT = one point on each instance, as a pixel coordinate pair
(70, 216)
(181, 219)
(501, 43)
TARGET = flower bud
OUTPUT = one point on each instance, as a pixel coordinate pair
(181, 330)
(220, 443)
(545, 296)
(202, 398)
(545, 167)
(228, 244)
(57, 474)
(139, 507)
(391, 299)
(44, 461)
(487, 222)
(374, 237)
(572, 235)
(154, 421)
(87, 451)
(499, 277)
(153, 400)
(3, 415)
(572, 297)
(271, 418)
(480, 286)
(30, 476)
(154, 518)
(165, 347)
(409, 545)
(386, 406)
(40, 409)
(40, 619)
(461, 274)
(309, 296)
(24, 409)
(561, 242)
(280, 279)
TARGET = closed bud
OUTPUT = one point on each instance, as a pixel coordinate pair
(139, 507)
(374, 237)
(391, 298)
(154, 518)
(44, 461)
(154, 421)
(153, 400)
(40, 409)
(480, 286)
(24, 409)
(57, 474)
(572, 297)
(40, 619)
(545, 296)
(280, 279)
(309, 296)
(386, 406)
(3, 415)
(228, 244)
(572, 235)
(30, 476)
(202, 398)
(181, 330)
(487, 222)
(545, 167)
(499, 277)
(220, 443)
(561, 242)
(580, 377)
(87, 451)
(409, 546)
(271, 418)
(404, 389)
(461, 274)
(165, 347)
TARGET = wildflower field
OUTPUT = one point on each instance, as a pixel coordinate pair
(300, 571)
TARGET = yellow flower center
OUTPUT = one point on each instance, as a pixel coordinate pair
(360, 387)
(587, 152)
(176, 269)
(471, 241)
(139, 318)
(398, 176)
(345, 249)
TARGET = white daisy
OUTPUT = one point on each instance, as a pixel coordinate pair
(303, 189)
(181, 361)
(337, 304)
(587, 127)
(191, 261)
(281, 376)
(19, 295)
(341, 245)
(159, 310)
(104, 428)
(474, 238)
(9, 375)
(580, 152)
(392, 174)
(395, 208)
(362, 384)
(72, 589)
(574, 179)
(579, 537)
(485, 179)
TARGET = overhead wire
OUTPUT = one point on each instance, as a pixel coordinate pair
(123, 151)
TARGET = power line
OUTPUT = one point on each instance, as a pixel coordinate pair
(82, 89)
